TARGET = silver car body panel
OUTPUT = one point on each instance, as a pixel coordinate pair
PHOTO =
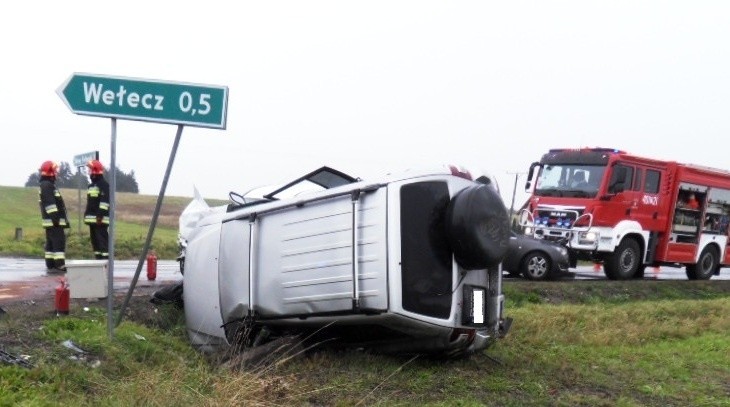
(290, 263)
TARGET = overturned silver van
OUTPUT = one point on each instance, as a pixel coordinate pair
(409, 263)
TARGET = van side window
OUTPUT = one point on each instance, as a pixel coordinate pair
(651, 182)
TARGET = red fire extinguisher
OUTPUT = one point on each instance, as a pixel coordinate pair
(62, 297)
(152, 266)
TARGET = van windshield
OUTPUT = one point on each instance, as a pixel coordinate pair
(569, 180)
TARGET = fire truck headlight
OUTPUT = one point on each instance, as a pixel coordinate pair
(587, 237)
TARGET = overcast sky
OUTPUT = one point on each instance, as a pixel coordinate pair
(371, 87)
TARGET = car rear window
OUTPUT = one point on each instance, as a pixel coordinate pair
(425, 253)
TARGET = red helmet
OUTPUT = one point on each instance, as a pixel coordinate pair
(49, 169)
(95, 167)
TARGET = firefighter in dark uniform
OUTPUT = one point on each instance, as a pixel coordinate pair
(97, 210)
(55, 219)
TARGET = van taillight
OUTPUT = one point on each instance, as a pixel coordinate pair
(459, 172)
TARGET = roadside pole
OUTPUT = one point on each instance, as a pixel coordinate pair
(144, 100)
(112, 228)
(80, 185)
(514, 192)
(153, 223)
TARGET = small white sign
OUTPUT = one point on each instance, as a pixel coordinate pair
(81, 159)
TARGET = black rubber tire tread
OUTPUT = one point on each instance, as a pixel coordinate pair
(477, 227)
(706, 265)
(640, 271)
(614, 266)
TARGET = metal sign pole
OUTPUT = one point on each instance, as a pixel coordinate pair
(197, 105)
(112, 227)
(78, 175)
(151, 231)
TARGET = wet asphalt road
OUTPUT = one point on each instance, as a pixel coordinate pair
(651, 273)
(26, 279)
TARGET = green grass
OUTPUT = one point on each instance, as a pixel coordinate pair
(647, 352)
(133, 215)
(572, 343)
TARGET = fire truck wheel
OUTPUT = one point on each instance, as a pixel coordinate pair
(640, 271)
(477, 227)
(705, 267)
(624, 262)
(536, 267)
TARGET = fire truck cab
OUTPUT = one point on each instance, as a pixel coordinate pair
(630, 212)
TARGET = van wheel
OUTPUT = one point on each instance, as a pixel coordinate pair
(477, 227)
(624, 262)
(705, 267)
(536, 267)
(241, 333)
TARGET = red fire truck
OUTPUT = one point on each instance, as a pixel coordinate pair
(630, 212)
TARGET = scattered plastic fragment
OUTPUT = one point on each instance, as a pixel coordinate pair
(70, 345)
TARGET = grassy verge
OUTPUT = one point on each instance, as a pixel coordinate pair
(565, 348)
(133, 216)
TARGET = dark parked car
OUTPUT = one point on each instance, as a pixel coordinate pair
(535, 259)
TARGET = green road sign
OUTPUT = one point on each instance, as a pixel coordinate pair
(147, 100)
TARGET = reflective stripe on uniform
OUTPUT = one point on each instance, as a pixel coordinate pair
(47, 223)
(91, 219)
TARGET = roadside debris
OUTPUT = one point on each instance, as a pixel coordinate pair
(171, 294)
(81, 355)
(70, 345)
(11, 359)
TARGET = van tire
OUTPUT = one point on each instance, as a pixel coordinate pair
(625, 260)
(705, 267)
(477, 227)
(241, 333)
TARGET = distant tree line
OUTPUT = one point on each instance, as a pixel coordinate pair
(66, 178)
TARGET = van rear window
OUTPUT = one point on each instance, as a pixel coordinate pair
(425, 254)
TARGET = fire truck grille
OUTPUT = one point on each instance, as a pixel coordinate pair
(556, 218)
